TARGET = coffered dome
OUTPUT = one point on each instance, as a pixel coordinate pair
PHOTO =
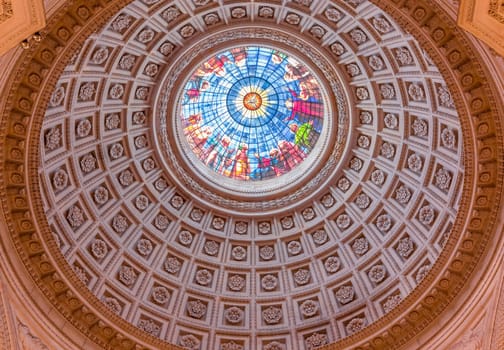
(265, 175)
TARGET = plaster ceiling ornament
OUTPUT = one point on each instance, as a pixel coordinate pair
(274, 345)
(173, 203)
(234, 315)
(332, 264)
(231, 346)
(236, 283)
(196, 309)
(272, 315)
(172, 265)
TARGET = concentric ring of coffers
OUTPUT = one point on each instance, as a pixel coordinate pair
(336, 262)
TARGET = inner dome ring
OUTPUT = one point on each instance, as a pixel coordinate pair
(188, 171)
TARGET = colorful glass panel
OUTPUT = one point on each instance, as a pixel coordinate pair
(252, 113)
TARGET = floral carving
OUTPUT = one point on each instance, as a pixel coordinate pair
(360, 246)
(211, 19)
(101, 195)
(332, 264)
(391, 302)
(113, 304)
(126, 177)
(204, 277)
(112, 121)
(402, 194)
(161, 221)
(420, 127)
(387, 150)
(264, 227)
(139, 117)
(218, 223)
(427, 214)
(308, 214)
(121, 23)
(239, 253)
(403, 56)
(327, 200)
(316, 340)
(384, 222)
(146, 35)
(405, 247)
(127, 62)
(422, 272)
(144, 247)
(416, 92)
(387, 91)
(266, 252)
(170, 14)
(358, 36)
(415, 162)
(185, 238)
(355, 325)
(60, 179)
(320, 236)
(116, 151)
(381, 25)
(172, 265)
(269, 282)
(343, 184)
(266, 12)
(149, 326)
(211, 247)
(99, 248)
(378, 177)
(234, 315)
(309, 308)
(196, 309)
(302, 277)
(445, 98)
(236, 283)
(377, 273)
(442, 179)
(83, 128)
(238, 12)
(160, 295)
(120, 223)
(116, 91)
(87, 91)
(448, 138)
(363, 201)
(294, 247)
(293, 19)
(53, 138)
(272, 315)
(141, 202)
(391, 121)
(127, 275)
(287, 222)
(57, 96)
(333, 14)
(241, 227)
(345, 294)
(189, 342)
(376, 62)
(343, 221)
(75, 216)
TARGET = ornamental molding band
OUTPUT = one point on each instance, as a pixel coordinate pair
(245, 175)
(485, 20)
(18, 20)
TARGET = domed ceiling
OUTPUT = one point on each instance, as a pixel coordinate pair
(266, 175)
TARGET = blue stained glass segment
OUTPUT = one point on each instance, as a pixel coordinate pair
(252, 113)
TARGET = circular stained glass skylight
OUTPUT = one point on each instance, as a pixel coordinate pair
(252, 113)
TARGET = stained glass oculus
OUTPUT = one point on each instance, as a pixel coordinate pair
(252, 113)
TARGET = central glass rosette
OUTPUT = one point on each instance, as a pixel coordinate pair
(252, 113)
